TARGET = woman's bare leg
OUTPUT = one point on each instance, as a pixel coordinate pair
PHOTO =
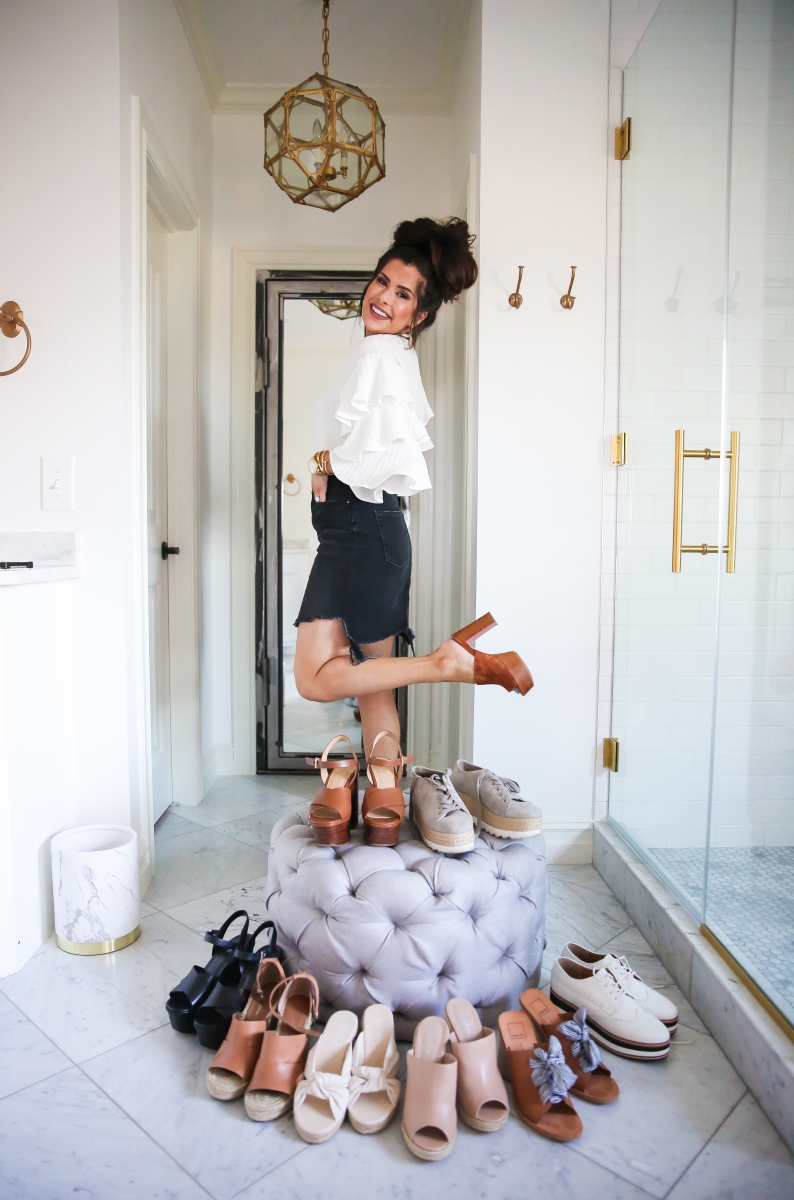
(324, 672)
(378, 709)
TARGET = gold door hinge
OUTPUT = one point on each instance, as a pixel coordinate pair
(623, 140)
(618, 449)
(611, 753)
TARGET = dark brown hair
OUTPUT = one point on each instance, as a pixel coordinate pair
(441, 253)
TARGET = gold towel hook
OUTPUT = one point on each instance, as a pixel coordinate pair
(516, 300)
(11, 324)
(290, 479)
(568, 301)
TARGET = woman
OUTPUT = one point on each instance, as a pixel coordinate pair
(371, 426)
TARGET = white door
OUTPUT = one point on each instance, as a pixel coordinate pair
(157, 511)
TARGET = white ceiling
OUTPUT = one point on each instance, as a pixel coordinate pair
(405, 53)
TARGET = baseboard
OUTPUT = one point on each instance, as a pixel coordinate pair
(145, 870)
(756, 1046)
(217, 761)
(568, 843)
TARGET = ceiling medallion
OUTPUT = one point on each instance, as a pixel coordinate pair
(324, 139)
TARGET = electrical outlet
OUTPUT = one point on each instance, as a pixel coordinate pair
(57, 484)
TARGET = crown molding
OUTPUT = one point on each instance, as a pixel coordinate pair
(241, 98)
(200, 39)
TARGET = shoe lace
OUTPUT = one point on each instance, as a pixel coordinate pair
(622, 969)
(449, 801)
(610, 982)
(507, 789)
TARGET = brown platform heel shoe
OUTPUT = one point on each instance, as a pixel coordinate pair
(334, 809)
(507, 669)
(384, 803)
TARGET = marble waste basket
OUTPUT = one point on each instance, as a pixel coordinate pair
(95, 888)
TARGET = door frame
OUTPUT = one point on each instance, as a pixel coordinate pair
(247, 264)
(155, 183)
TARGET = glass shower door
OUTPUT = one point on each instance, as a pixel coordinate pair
(703, 702)
(750, 890)
(677, 92)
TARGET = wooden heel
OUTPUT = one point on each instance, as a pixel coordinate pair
(508, 669)
(470, 633)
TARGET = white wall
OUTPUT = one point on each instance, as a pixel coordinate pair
(541, 379)
(68, 746)
(158, 67)
(250, 210)
(62, 644)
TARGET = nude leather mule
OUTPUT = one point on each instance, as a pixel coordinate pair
(482, 1096)
(430, 1120)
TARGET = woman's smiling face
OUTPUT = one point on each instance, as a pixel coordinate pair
(390, 301)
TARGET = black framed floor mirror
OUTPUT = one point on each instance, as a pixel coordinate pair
(306, 326)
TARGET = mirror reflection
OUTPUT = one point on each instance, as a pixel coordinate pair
(317, 339)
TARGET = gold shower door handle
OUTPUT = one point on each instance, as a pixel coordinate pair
(678, 501)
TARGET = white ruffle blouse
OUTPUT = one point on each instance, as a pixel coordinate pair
(372, 419)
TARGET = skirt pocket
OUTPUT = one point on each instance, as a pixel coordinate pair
(395, 537)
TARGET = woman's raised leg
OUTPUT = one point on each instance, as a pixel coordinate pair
(324, 672)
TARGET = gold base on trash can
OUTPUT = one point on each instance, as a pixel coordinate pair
(99, 947)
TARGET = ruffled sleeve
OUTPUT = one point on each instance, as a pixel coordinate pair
(383, 419)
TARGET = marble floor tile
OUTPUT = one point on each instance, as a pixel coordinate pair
(664, 1116)
(86, 1005)
(595, 914)
(513, 1163)
(234, 797)
(209, 912)
(686, 1013)
(63, 1137)
(25, 1053)
(172, 825)
(630, 942)
(745, 1159)
(256, 830)
(301, 786)
(582, 875)
(160, 1081)
(199, 863)
(147, 909)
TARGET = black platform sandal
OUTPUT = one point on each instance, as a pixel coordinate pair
(214, 1015)
(183, 1002)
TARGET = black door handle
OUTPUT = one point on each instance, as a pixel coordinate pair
(165, 550)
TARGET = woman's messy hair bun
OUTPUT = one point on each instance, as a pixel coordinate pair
(441, 253)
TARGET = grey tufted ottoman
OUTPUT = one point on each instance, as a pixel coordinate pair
(407, 927)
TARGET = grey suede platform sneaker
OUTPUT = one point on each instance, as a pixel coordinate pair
(496, 802)
(443, 820)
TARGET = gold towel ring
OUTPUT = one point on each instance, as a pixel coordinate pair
(11, 323)
(291, 479)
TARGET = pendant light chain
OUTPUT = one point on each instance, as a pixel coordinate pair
(326, 60)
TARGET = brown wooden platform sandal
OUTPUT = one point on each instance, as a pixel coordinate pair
(594, 1081)
(232, 1067)
(541, 1079)
(294, 1005)
(384, 804)
(507, 669)
(334, 810)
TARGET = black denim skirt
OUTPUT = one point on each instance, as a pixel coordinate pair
(362, 572)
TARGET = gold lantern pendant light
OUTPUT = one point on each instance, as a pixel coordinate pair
(324, 139)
